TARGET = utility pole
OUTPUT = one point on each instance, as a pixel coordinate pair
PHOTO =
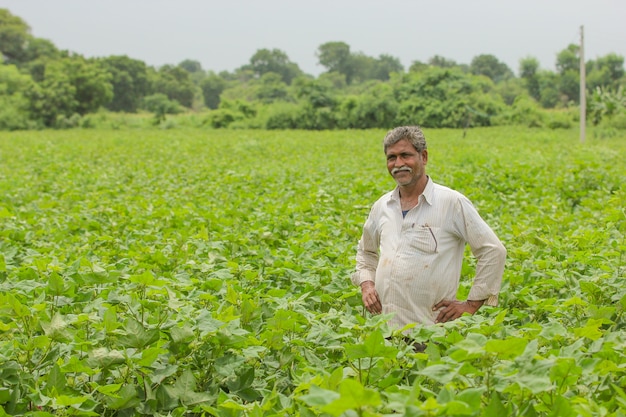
(583, 89)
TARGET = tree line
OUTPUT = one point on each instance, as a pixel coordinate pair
(42, 86)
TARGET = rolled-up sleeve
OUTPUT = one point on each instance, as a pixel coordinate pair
(490, 255)
(367, 253)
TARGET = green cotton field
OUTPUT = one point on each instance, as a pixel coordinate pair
(206, 273)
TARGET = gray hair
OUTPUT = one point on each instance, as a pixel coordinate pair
(413, 134)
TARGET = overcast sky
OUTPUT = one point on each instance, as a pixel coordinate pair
(223, 35)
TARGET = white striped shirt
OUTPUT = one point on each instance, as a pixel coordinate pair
(415, 261)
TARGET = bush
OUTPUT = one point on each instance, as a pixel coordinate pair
(221, 118)
(617, 121)
(13, 115)
(160, 105)
(559, 120)
(524, 112)
(281, 116)
(367, 112)
(156, 103)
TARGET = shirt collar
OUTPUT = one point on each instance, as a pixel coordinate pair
(428, 192)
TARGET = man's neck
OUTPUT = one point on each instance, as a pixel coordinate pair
(413, 191)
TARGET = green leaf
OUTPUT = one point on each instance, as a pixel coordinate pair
(591, 330)
(77, 365)
(5, 213)
(507, 348)
(56, 285)
(319, 397)
(472, 397)
(352, 396)
(182, 334)
(55, 381)
(102, 358)
(552, 329)
(126, 398)
(149, 356)
(5, 396)
(109, 390)
(183, 391)
(565, 373)
(373, 347)
(561, 407)
(442, 373)
(66, 400)
(56, 328)
(458, 408)
(18, 308)
(137, 336)
(495, 408)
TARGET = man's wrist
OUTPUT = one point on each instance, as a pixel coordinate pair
(367, 283)
(475, 304)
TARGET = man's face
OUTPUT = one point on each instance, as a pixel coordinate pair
(405, 164)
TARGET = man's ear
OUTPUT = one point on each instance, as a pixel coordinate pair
(425, 156)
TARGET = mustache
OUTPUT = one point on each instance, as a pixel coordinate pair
(400, 169)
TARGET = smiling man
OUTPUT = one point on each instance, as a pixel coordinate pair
(411, 251)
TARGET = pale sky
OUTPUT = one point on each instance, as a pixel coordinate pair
(223, 35)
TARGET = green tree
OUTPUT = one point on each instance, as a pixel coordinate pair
(445, 97)
(441, 62)
(160, 105)
(363, 67)
(568, 60)
(70, 85)
(212, 87)
(605, 72)
(489, 66)
(271, 88)
(191, 66)
(14, 37)
(276, 61)
(569, 87)
(14, 105)
(417, 66)
(375, 108)
(529, 72)
(605, 103)
(175, 83)
(336, 57)
(384, 66)
(510, 89)
(318, 93)
(19, 47)
(550, 95)
(39, 48)
(53, 97)
(129, 78)
(568, 69)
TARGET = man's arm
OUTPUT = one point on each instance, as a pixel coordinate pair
(490, 259)
(366, 264)
(489, 252)
(370, 298)
(453, 309)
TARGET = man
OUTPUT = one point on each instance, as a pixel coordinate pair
(410, 254)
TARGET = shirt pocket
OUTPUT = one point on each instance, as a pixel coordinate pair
(424, 239)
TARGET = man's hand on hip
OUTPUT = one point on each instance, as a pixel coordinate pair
(370, 298)
(453, 309)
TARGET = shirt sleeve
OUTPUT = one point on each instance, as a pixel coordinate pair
(490, 253)
(367, 252)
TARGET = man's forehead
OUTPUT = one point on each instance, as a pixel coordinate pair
(402, 145)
